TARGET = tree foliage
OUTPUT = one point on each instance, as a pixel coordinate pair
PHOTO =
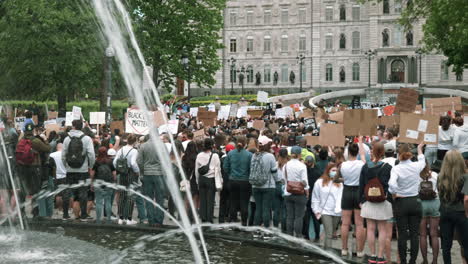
(48, 49)
(168, 29)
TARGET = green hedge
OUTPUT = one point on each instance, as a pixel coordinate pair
(236, 98)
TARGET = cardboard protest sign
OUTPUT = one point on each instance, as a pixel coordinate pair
(406, 101)
(193, 111)
(312, 140)
(52, 115)
(258, 124)
(255, 113)
(415, 128)
(117, 125)
(273, 127)
(360, 122)
(68, 118)
(306, 113)
(208, 118)
(50, 122)
(76, 112)
(332, 135)
(418, 109)
(440, 106)
(199, 134)
(97, 118)
(338, 117)
(389, 121)
(262, 97)
(208, 122)
(321, 113)
(233, 111)
(159, 118)
(137, 122)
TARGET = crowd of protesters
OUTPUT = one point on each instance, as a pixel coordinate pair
(374, 187)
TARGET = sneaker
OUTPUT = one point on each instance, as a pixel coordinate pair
(113, 218)
(344, 252)
(66, 218)
(372, 260)
(360, 254)
(120, 222)
(131, 222)
(381, 261)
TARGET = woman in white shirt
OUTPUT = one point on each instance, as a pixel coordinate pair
(326, 202)
(446, 133)
(206, 182)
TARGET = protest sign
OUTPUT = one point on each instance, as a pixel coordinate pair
(117, 125)
(332, 135)
(310, 122)
(52, 115)
(361, 122)
(440, 106)
(389, 121)
(331, 121)
(262, 97)
(199, 134)
(233, 111)
(51, 127)
(388, 110)
(68, 118)
(76, 111)
(406, 101)
(255, 113)
(321, 113)
(312, 140)
(273, 127)
(338, 117)
(242, 112)
(159, 118)
(211, 108)
(19, 122)
(171, 127)
(193, 111)
(60, 121)
(50, 122)
(97, 118)
(137, 121)
(296, 107)
(415, 128)
(306, 113)
(208, 122)
(258, 124)
(223, 112)
(418, 109)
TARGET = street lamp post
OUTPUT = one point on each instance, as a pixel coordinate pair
(232, 61)
(370, 54)
(300, 60)
(241, 78)
(186, 63)
(109, 56)
(420, 52)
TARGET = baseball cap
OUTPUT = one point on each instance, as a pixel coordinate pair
(309, 159)
(296, 150)
(111, 152)
(29, 127)
(263, 140)
(229, 147)
(389, 147)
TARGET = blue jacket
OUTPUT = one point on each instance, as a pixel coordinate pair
(237, 165)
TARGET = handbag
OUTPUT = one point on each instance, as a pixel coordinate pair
(293, 187)
(203, 170)
(218, 179)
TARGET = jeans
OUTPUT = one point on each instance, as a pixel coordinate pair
(431, 154)
(126, 199)
(103, 201)
(81, 193)
(46, 204)
(154, 189)
(224, 202)
(279, 210)
(264, 202)
(65, 195)
(408, 214)
(140, 205)
(449, 221)
(330, 223)
(239, 194)
(207, 190)
(295, 207)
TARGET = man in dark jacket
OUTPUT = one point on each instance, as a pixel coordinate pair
(313, 174)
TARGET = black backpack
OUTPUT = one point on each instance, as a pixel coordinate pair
(426, 190)
(121, 165)
(104, 172)
(75, 157)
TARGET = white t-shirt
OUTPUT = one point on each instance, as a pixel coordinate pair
(390, 160)
(351, 172)
(60, 171)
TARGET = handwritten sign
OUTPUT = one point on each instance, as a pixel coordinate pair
(97, 118)
(137, 122)
(76, 111)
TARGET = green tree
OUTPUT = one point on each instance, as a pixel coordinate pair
(48, 49)
(168, 29)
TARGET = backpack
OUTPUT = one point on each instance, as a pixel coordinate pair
(75, 157)
(121, 165)
(24, 152)
(374, 191)
(104, 172)
(426, 190)
(258, 175)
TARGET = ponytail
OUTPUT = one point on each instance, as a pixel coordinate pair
(240, 143)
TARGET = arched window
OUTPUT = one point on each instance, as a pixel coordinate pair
(385, 38)
(284, 73)
(356, 72)
(386, 6)
(342, 13)
(342, 75)
(409, 38)
(356, 40)
(342, 41)
(329, 72)
(250, 74)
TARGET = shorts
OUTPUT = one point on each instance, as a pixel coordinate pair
(80, 193)
(430, 208)
(350, 199)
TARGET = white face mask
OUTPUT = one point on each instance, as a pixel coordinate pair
(332, 174)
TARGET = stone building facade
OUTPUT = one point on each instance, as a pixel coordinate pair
(340, 40)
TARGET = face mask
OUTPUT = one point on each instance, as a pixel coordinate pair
(332, 174)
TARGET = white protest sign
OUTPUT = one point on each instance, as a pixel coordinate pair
(76, 112)
(211, 108)
(242, 112)
(193, 111)
(280, 113)
(68, 118)
(50, 122)
(223, 112)
(97, 118)
(171, 127)
(262, 97)
(136, 122)
(19, 122)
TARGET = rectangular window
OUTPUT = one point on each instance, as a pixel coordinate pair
(302, 16)
(267, 17)
(302, 43)
(356, 13)
(250, 44)
(233, 18)
(444, 71)
(329, 73)
(267, 44)
(329, 13)
(233, 45)
(329, 42)
(356, 40)
(284, 16)
(284, 73)
(267, 74)
(397, 6)
(356, 72)
(250, 18)
(284, 43)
